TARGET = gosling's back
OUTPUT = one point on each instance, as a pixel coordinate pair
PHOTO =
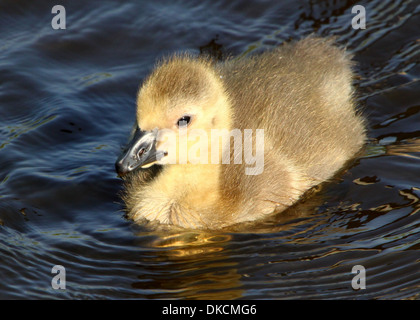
(301, 95)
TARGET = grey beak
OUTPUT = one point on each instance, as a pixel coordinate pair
(141, 151)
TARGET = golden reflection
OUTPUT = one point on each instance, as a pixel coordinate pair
(196, 264)
(405, 148)
(191, 243)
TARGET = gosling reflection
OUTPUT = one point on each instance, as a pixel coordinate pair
(191, 265)
(196, 264)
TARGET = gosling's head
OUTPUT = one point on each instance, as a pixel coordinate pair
(180, 95)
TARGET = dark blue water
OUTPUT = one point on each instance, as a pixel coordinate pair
(67, 103)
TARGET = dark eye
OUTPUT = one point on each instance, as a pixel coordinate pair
(183, 121)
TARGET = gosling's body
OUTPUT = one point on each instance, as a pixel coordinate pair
(300, 94)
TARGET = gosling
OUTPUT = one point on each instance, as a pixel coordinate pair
(300, 94)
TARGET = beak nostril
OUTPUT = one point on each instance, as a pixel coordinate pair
(141, 152)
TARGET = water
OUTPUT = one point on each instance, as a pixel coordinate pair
(67, 102)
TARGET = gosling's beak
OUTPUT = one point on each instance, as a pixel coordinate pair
(140, 152)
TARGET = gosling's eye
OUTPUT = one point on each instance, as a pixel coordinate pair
(183, 121)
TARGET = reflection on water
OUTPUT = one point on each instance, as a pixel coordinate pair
(186, 253)
(406, 148)
(67, 98)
